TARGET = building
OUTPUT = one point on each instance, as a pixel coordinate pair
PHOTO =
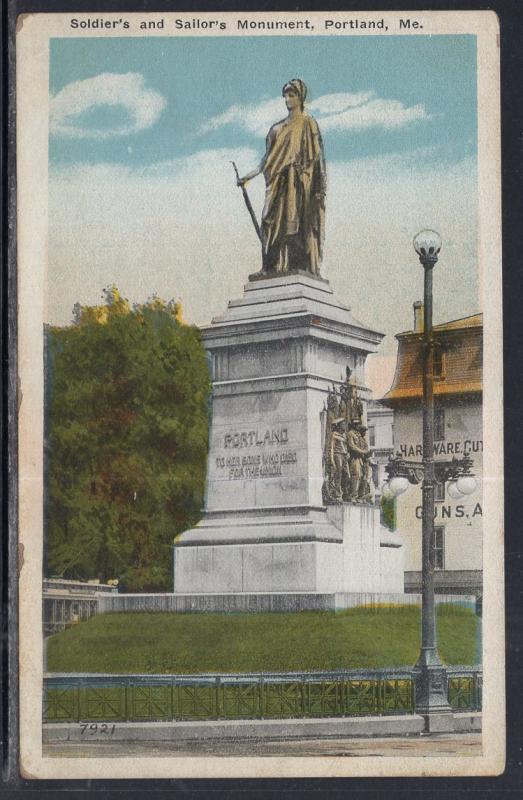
(67, 602)
(380, 422)
(458, 431)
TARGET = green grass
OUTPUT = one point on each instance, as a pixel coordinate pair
(312, 640)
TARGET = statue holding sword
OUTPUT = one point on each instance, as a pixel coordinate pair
(293, 218)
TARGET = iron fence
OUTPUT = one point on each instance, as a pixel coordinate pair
(148, 698)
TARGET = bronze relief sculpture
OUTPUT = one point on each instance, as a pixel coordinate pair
(346, 454)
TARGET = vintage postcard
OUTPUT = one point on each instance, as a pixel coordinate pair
(260, 411)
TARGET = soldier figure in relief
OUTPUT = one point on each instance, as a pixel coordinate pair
(366, 488)
(358, 456)
(338, 461)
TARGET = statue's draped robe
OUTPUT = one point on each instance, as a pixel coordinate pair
(293, 219)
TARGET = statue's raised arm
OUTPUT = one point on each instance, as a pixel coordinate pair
(293, 218)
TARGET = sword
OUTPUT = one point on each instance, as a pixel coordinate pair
(250, 209)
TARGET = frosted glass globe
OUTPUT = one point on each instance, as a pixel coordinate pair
(453, 491)
(427, 243)
(467, 484)
(398, 486)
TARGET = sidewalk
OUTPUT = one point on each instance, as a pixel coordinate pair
(443, 745)
(234, 728)
(104, 734)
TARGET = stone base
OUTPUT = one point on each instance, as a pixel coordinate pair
(337, 549)
(277, 353)
(247, 568)
(258, 603)
(264, 275)
(436, 722)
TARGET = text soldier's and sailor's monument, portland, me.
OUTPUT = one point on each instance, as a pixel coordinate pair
(289, 521)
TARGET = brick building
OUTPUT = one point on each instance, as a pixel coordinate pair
(458, 431)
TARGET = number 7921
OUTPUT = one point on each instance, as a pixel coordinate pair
(91, 728)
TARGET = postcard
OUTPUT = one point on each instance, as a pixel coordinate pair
(260, 406)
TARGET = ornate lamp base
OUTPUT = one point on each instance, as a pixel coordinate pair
(431, 687)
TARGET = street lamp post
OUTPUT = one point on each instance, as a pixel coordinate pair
(429, 672)
(431, 675)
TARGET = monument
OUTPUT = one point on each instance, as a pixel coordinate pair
(289, 506)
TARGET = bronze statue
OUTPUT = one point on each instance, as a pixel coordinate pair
(366, 487)
(293, 219)
(338, 462)
(346, 454)
(359, 454)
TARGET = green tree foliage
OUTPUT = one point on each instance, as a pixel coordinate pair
(388, 512)
(126, 441)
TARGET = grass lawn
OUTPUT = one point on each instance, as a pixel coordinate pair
(311, 640)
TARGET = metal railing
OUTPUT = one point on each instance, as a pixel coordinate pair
(147, 698)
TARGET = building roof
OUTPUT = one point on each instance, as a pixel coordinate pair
(461, 346)
(474, 321)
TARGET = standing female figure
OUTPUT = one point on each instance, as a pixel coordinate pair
(293, 219)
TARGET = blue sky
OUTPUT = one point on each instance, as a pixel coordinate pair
(142, 193)
(437, 72)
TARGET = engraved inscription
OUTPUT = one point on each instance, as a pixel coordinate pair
(255, 438)
(268, 463)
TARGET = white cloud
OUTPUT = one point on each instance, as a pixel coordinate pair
(338, 111)
(180, 228)
(377, 113)
(256, 119)
(140, 106)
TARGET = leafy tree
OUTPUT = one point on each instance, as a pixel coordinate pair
(127, 395)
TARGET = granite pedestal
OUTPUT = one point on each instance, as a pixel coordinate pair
(276, 352)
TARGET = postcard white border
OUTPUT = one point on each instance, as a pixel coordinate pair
(32, 66)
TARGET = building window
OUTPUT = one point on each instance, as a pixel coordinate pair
(372, 436)
(437, 363)
(439, 491)
(439, 547)
(439, 424)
